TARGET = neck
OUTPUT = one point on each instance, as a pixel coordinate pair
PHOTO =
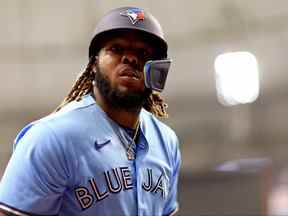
(121, 116)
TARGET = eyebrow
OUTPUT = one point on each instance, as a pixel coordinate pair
(128, 43)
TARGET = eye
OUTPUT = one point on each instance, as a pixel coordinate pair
(116, 48)
(144, 53)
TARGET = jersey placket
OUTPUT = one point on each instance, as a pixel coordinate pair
(125, 139)
(141, 150)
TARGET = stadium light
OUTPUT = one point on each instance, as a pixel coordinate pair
(237, 78)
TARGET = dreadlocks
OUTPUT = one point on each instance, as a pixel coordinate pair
(84, 85)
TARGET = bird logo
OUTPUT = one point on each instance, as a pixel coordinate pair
(134, 14)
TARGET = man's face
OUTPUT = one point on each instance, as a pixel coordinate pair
(119, 71)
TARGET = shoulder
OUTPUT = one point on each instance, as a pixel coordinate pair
(72, 119)
(73, 116)
(37, 139)
(152, 126)
(151, 121)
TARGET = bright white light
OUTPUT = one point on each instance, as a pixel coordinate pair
(237, 78)
(278, 200)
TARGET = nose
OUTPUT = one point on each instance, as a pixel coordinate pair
(130, 58)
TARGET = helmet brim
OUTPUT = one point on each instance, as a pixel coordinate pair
(160, 46)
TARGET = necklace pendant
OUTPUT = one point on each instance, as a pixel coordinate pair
(130, 155)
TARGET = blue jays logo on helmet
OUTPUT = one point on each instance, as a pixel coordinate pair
(134, 14)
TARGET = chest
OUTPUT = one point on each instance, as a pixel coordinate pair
(105, 181)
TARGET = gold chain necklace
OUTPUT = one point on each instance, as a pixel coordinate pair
(130, 150)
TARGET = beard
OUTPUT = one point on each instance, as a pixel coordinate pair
(130, 101)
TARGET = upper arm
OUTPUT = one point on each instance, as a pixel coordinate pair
(36, 174)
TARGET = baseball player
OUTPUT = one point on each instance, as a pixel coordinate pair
(103, 151)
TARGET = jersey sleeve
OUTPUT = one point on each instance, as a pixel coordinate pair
(37, 173)
(172, 205)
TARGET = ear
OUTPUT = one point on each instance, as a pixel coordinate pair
(94, 59)
(94, 62)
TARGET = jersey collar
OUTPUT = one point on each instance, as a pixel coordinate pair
(106, 129)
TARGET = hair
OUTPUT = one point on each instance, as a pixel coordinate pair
(84, 85)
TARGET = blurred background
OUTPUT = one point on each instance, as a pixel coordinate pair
(234, 157)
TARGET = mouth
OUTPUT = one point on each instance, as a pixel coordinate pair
(130, 73)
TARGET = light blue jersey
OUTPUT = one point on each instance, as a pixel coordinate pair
(74, 162)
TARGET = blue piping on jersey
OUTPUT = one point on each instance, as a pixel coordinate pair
(21, 134)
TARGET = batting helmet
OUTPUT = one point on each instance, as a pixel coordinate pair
(129, 18)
